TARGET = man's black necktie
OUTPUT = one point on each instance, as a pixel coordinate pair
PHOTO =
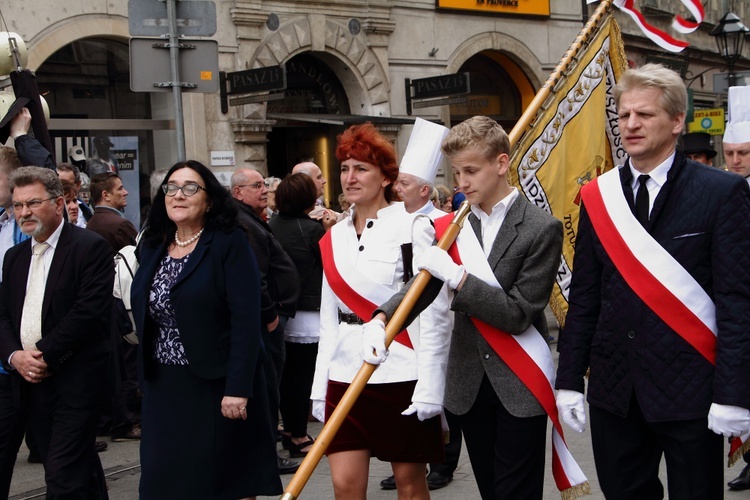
(641, 200)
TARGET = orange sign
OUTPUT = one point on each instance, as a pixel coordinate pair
(517, 7)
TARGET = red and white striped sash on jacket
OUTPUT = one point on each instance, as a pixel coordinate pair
(527, 355)
(650, 271)
(354, 288)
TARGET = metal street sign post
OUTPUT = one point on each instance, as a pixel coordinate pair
(193, 18)
(150, 70)
(197, 18)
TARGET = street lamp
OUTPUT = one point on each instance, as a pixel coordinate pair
(730, 37)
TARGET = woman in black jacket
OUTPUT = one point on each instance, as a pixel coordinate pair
(299, 235)
(206, 427)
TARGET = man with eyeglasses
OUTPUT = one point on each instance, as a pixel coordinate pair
(53, 335)
(279, 281)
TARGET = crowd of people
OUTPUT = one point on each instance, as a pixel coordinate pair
(255, 307)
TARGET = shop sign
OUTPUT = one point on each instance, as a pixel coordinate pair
(487, 105)
(512, 7)
(708, 120)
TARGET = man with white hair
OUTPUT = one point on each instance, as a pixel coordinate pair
(414, 186)
(737, 140)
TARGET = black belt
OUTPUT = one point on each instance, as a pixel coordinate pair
(350, 318)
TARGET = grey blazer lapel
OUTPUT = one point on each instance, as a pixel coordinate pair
(476, 225)
(508, 231)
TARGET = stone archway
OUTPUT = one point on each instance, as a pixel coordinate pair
(509, 46)
(356, 65)
(50, 40)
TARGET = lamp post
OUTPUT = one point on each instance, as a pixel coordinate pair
(730, 37)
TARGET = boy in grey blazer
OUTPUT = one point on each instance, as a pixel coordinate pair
(503, 422)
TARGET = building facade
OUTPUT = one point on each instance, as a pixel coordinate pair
(346, 61)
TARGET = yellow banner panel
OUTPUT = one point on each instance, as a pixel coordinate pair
(574, 139)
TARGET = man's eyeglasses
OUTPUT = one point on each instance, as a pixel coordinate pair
(254, 185)
(32, 204)
(187, 189)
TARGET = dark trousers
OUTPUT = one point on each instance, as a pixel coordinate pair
(66, 437)
(274, 344)
(452, 449)
(296, 384)
(125, 402)
(627, 452)
(12, 426)
(506, 452)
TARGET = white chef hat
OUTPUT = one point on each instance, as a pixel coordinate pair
(738, 126)
(423, 153)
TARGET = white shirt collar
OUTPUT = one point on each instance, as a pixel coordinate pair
(499, 209)
(658, 174)
(53, 239)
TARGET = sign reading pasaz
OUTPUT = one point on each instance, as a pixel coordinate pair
(440, 86)
(256, 80)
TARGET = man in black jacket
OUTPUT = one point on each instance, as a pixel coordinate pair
(659, 305)
(279, 280)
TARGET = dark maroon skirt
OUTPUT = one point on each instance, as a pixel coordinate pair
(375, 423)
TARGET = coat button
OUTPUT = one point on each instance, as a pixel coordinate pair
(486, 356)
(361, 247)
(631, 334)
(369, 224)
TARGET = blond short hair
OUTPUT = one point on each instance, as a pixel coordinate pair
(477, 132)
(674, 96)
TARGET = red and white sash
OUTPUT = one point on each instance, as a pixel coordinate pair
(354, 288)
(527, 355)
(650, 271)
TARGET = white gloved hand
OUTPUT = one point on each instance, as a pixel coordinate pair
(423, 410)
(728, 420)
(373, 342)
(571, 409)
(440, 265)
(319, 410)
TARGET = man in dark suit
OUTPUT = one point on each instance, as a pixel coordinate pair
(110, 198)
(54, 327)
(659, 305)
(510, 254)
(279, 281)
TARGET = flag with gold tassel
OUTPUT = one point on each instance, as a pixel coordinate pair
(574, 136)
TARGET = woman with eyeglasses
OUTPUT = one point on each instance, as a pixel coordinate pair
(206, 429)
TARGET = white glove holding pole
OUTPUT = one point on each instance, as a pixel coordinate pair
(571, 409)
(373, 342)
(728, 420)
(319, 410)
(423, 410)
(440, 265)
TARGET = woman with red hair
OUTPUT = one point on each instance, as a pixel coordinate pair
(366, 259)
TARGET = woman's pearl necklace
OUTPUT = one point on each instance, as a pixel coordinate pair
(189, 240)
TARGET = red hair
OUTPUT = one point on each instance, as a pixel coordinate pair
(364, 143)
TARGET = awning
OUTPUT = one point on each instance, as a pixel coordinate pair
(341, 120)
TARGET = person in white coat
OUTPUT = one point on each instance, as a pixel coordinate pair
(365, 261)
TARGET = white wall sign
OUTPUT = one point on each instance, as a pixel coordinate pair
(222, 158)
